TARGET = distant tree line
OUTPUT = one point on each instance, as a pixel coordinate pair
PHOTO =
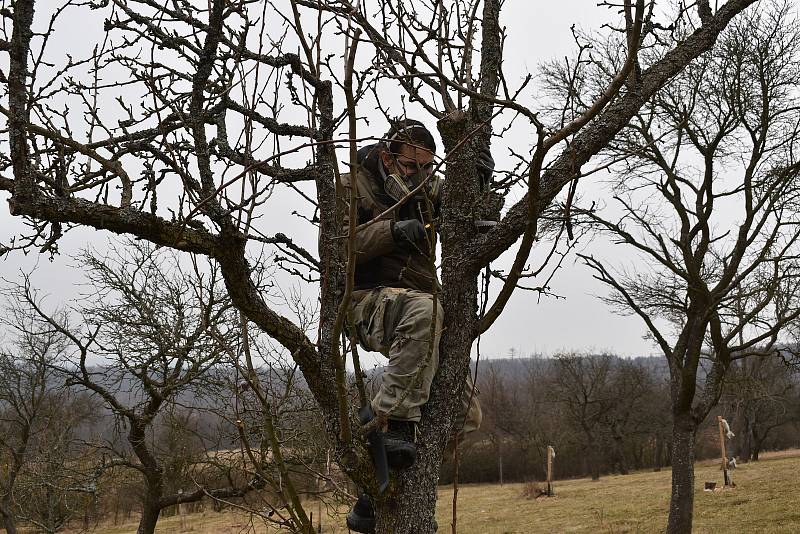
(609, 415)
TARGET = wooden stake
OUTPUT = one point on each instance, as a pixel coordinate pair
(319, 507)
(455, 484)
(550, 454)
(500, 463)
(725, 475)
(180, 513)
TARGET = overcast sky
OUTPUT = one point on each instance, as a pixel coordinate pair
(538, 30)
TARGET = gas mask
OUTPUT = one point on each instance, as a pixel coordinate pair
(399, 186)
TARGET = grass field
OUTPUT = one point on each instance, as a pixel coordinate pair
(766, 500)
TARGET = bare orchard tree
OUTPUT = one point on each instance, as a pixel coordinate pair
(580, 385)
(277, 434)
(44, 479)
(708, 191)
(185, 125)
(762, 394)
(633, 386)
(152, 330)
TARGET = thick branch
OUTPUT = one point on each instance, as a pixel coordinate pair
(597, 134)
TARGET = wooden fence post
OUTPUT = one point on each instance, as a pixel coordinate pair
(500, 462)
(726, 478)
(550, 454)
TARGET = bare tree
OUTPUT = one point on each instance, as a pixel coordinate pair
(632, 386)
(278, 435)
(152, 332)
(601, 412)
(221, 69)
(762, 394)
(44, 481)
(501, 404)
(708, 193)
(583, 386)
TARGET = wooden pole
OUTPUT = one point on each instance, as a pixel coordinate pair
(454, 529)
(550, 454)
(180, 513)
(319, 507)
(500, 463)
(725, 476)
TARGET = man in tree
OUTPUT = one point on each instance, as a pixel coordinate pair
(395, 307)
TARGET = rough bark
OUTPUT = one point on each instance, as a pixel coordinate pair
(681, 508)
(411, 506)
(150, 513)
(24, 186)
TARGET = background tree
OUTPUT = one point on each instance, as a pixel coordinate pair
(152, 332)
(631, 387)
(44, 479)
(762, 393)
(163, 167)
(707, 187)
(278, 435)
(532, 402)
(582, 385)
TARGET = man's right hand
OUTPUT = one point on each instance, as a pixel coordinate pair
(408, 233)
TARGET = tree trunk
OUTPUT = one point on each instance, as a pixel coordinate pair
(757, 443)
(9, 523)
(619, 452)
(150, 513)
(623, 465)
(659, 453)
(638, 455)
(593, 457)
(411, 506)
(746, 448)
(153, 472)
(500, 462)
(681, 505)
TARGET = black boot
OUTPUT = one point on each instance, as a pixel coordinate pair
(362, 516)
(401, 450)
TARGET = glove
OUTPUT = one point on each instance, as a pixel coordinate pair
(408, 233)
(485, 166)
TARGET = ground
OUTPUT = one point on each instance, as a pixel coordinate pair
(764, 501)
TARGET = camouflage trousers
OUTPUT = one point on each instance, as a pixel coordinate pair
(397, 323)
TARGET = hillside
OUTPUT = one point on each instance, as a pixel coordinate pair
(764, 501)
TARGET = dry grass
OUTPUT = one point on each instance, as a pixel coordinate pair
(764, 501)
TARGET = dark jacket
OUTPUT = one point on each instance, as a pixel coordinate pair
(380, 261)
